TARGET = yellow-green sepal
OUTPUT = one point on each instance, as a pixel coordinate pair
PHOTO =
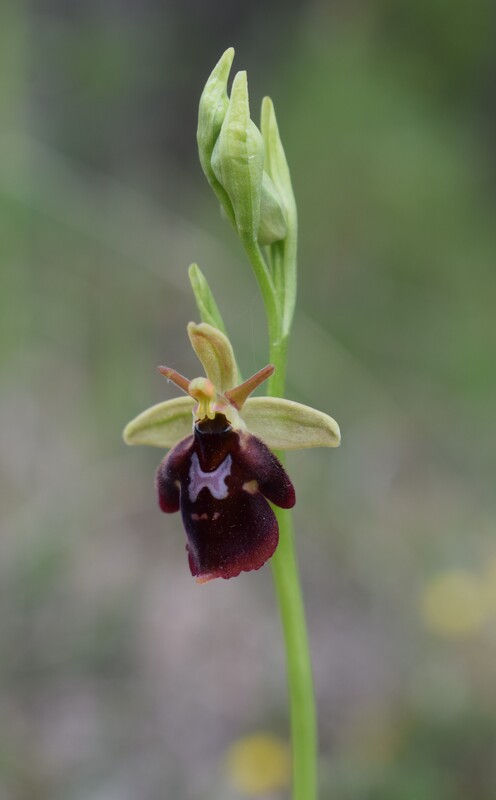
(163, 425)
(215, 352)
(286, 425)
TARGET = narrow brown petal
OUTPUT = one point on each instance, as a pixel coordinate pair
(175, 377)
(238, 395)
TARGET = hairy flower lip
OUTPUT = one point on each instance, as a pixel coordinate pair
(222, 481)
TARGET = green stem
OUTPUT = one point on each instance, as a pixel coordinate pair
(277, 282)
(267, 288)
(299, 666)
(278, 356)
(289, 596)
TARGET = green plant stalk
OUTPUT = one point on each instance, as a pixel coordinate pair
(278, 288)
(268, 291)
(299, 667)
(291, 609)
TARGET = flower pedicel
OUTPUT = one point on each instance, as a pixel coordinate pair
(222, 475)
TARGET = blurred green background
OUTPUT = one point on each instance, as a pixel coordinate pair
(120, 678)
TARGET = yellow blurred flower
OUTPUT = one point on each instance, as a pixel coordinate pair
(454, 604)
(258, 764)
(489, 576)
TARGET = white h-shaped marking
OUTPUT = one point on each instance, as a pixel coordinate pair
(215, 481)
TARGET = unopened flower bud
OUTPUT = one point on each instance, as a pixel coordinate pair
(238, 158)
(272, 227)
(212, 110)
(233, 152)
(277, 167)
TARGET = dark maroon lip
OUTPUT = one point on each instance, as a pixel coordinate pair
(223, 483)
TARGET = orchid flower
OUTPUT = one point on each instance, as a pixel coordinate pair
(220, 471)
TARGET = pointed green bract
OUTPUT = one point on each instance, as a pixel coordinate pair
(208, 308)
(205, 301)
(215, 353)
(163, 425)
(286, 425)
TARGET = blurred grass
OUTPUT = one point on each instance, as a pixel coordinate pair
(117, 679)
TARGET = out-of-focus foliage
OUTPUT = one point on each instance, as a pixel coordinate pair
(119, 677)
